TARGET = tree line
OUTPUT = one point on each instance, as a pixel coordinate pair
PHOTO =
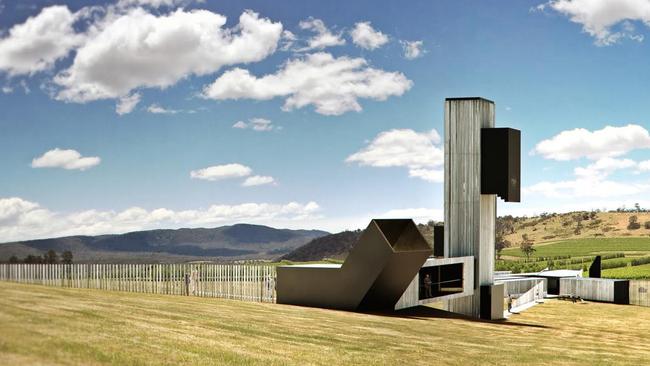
(50, 257)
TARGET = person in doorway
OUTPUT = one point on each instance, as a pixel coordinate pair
(427, 286)
(509, 303)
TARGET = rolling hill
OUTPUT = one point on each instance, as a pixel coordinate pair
(337, 246)
(241, 241)
(574, 225)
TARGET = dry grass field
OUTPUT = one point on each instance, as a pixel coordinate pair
(54, 326)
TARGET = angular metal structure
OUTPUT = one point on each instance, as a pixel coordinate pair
(500, 163)
(374, 276)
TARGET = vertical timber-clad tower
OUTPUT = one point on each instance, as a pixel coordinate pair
(469, 215)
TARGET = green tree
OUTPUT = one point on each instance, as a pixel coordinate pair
(526, 246)
(66, 257)
(13, 259)
(500, 244)
(633, 223)
(33, 259)
(51, 257)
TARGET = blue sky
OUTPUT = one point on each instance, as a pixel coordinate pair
(139, 114)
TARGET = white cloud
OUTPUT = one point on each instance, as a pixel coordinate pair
(607, 142)
(240, 124)
(644, 166)
(39, 42)
(323, 37)
(230, 171)
(258, 180)
(288, 40)
(157, 109)
(332, 85)
(136, 49)
(21, 219)
(404, 148)
(126, 104)
(586, 187)
(256, 124)
(7, 90)
(599, 18)
(219, 172)
(66, 159)
(412, 49)
(430, 175)
(592, 181)
(604, 167)
(152, 3)
(365, 36)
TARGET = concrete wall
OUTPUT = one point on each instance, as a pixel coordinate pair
(410, 297)
(518, 286)
(640, 292)
(596, 289)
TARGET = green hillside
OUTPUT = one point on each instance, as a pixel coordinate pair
(572, 240)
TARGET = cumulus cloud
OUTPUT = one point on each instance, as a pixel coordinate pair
(240, 124)
(332, 85)
(258, 180)
(644, 166)
(127, 103)
(604, 167)
(323, 37)
(416, 151)
(586, 187)
(593, 180)
(220, 172)
(136, 49)
(152, 3)
(607, 21)
(604, 147)
(288, 40)
(412, 49)
(157, 109)
(607, 142)
(256, 124)
(21, 219)
(66, 159)
(365, 36)
(39, 42)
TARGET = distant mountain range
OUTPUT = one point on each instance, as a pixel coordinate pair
(333, 246)
(241, 241)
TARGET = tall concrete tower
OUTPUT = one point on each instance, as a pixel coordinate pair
(480, 162)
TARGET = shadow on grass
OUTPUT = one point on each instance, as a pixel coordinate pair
(426, 312)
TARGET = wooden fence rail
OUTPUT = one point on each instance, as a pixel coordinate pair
(229, 281)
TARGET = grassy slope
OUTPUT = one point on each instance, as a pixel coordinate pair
(635, 272)
(586, 247)
(40, 325)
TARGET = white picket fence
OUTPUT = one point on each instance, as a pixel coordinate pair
(228, 281)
